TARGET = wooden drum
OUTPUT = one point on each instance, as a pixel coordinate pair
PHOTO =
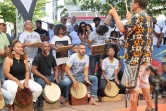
(51, 93)
(80, 92)
(113, 91)
(2, 103)
(98, 49)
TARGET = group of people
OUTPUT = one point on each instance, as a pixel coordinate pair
(45, 65)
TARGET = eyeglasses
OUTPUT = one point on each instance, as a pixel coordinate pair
(65, 19)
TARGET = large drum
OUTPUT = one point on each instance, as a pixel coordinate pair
(51, 93)
(2, 103)
(23, 97)
(98, 49)
(80, 92)
(113, 91)
(37, 44)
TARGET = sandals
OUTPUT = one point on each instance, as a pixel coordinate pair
(149, 110)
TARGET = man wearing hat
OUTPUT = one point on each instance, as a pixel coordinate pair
(96, 20)
(3, 46)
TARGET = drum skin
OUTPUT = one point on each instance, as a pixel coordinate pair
(51, 93)
(80, 92)
(113, 91)
(23, 97)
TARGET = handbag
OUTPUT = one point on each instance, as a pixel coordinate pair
(130, 74)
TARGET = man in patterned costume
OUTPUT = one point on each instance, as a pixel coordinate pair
(138, 32)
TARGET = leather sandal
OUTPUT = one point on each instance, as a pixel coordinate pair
(149, 110)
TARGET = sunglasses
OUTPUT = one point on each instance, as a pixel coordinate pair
(65, 19)
(83, 26)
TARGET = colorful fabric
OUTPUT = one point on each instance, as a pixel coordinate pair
(139, 31)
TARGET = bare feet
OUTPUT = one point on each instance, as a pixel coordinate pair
(66, 103)
(94, 103)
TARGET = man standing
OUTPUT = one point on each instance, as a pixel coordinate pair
(51, 31)
(4, 31)
(28, 37)
(96, 20)
(139, 32)
(43, 33)
(77, 71)
(163, 32)
(41, 68)
(73, 23)
(156, 31)
(3, 46)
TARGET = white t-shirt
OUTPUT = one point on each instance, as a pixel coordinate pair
(77, 65)
(109, 68)
(164, 29)
(98, 39)
(155, 39)
(27, 37)
(61, 57)
(112, 29)
(75, 38)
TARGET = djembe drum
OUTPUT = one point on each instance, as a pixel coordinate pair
(51, 93)
(23, 97)
(79, 96)
(98, 49)
(2, 103)
(37, 44)
(113, 91)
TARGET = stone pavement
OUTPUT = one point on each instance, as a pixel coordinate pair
(105, 106)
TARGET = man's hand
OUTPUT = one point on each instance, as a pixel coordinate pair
(109, 85)
(87, 81)
(158, 45)
(47, 81)
(116, 80)
(75, 85)
(26, 84)
(128, 15)
(29, 44)
(113, 12)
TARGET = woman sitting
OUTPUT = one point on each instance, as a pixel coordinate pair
(17, 72)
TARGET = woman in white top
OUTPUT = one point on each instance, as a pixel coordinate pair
(60, 39)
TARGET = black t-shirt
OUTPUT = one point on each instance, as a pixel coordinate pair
(41, 32)
(44, 64)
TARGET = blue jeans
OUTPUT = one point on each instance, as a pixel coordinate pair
(7, 96)
(93, 60)
(1, 72)
(92, 79)
(61, 84)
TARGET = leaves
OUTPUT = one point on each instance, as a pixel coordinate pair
(7, 10)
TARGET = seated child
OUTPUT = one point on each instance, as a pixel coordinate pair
(110, 72)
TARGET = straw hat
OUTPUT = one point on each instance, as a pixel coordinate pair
(2, 21)
(80, 92)
(113, 91)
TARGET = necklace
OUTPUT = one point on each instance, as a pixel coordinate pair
(18, 60)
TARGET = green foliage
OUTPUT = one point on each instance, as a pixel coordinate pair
(8, 10)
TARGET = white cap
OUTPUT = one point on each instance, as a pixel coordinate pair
(2, 21)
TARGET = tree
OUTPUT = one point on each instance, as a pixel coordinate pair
(7, 10)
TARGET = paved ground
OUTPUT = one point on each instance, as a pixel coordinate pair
(105, 106)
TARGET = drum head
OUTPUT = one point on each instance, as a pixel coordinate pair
(51, 93)
(2, 103)
(80, 93)
(37, 44)
(113, 91)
